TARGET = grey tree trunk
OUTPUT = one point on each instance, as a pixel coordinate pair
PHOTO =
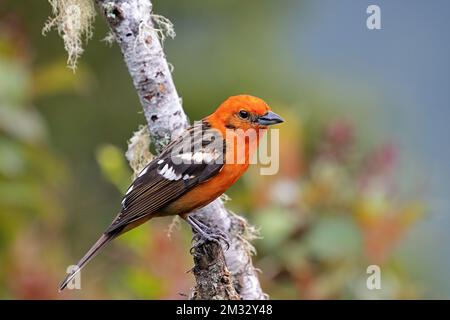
(219, 273)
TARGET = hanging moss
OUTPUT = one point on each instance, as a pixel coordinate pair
(73, 19)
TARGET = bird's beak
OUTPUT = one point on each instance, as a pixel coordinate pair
(269, 118)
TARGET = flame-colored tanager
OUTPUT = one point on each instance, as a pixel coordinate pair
(179, 181)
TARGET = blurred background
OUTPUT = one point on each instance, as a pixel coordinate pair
(364, 174)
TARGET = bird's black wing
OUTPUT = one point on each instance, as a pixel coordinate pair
(193, 158)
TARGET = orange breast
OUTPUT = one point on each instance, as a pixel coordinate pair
(207, 191)
(236, 163)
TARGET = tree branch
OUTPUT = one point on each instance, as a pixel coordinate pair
(219, 273)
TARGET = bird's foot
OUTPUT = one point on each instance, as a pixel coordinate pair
(217, 237)
(204, 234)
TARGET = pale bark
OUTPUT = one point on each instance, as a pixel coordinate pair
(133, 28)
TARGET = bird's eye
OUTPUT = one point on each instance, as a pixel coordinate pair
(243, 114)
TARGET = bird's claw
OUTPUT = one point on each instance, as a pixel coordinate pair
(203, 234)
(217, 237)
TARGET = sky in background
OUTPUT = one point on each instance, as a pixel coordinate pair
(407, 65)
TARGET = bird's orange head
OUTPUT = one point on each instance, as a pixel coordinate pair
(243, 112)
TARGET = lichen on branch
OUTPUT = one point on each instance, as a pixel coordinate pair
(138, 153)
(163, 27)
(73, 19)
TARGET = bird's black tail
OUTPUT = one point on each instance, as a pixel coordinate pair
(104, 239)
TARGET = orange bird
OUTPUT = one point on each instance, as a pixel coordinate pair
(192, 171)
